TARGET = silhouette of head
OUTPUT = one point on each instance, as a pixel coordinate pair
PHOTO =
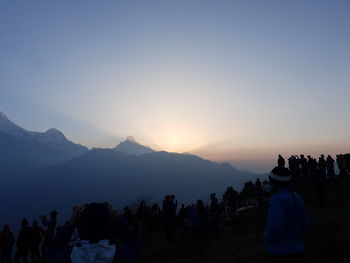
(199, 203)
(95, 222)
(6, 229)
(35, 223)
(280, 177)
(53, 214)
(24, 222)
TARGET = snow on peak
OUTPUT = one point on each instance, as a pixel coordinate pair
(54, 133)
(131, 146)
(3, 116)
(131, 139)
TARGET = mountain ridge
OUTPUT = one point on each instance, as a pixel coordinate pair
(131, 146)
(44, 148)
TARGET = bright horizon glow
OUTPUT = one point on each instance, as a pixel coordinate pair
(237, 81)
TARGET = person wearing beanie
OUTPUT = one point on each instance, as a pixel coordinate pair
(286, 221)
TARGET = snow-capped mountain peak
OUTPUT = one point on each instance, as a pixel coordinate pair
(131, 146)
(131, 139)
(52, 139)
(55, 133)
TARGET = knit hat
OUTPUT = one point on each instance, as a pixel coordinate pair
(280, 174)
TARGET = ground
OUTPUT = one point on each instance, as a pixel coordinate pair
(241, 241)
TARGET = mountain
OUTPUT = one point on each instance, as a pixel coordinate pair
(41, 148)
(44, 171)
(108, 175)
(131, 146)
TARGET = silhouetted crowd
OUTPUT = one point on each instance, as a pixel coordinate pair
(96, 230)
(301, 166)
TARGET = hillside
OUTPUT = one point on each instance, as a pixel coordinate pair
(241, 241)
(108, 175)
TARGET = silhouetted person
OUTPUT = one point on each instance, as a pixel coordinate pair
(50, 230)
(346, 164)
(280, 161)
(143, 217)
(322, 165)
(287, 220)
(215, 212)
(156, 217)
(202, 213)
(230, 199)
(318, 182)
(130, 218)
(330, 166)
(339, 160)
(310, 164)
(182, 221)
(294, 165)
(37, 236)
(7, 240)
(303, 165)
(98, 227)
(23, 243)
(169, 215)
(258, 186)
(291, 165)
(214, 204)
(249, 190)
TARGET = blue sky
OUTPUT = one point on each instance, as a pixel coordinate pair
(237, 81)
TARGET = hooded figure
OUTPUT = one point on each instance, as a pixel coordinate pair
(287, 220)
(95, 226)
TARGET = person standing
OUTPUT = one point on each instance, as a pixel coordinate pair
(280, 161)
(7, 241)
(50, 230)
(287, 220)
(38, 234)
(330, 166)
(322, 165)
(23, 242)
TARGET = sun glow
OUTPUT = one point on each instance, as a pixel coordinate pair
(178, 138)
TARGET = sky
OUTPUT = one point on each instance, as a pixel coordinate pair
(236, 81)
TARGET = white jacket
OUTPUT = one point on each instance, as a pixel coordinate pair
(101, 252)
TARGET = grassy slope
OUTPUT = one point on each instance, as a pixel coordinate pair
(241, 241)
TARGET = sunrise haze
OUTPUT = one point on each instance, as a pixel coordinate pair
(235, 81)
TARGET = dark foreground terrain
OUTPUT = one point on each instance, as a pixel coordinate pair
(241, 240)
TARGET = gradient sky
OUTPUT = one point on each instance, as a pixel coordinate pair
(237, 81)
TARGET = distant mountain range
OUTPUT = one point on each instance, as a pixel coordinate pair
(39, 148)
(43, 171)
